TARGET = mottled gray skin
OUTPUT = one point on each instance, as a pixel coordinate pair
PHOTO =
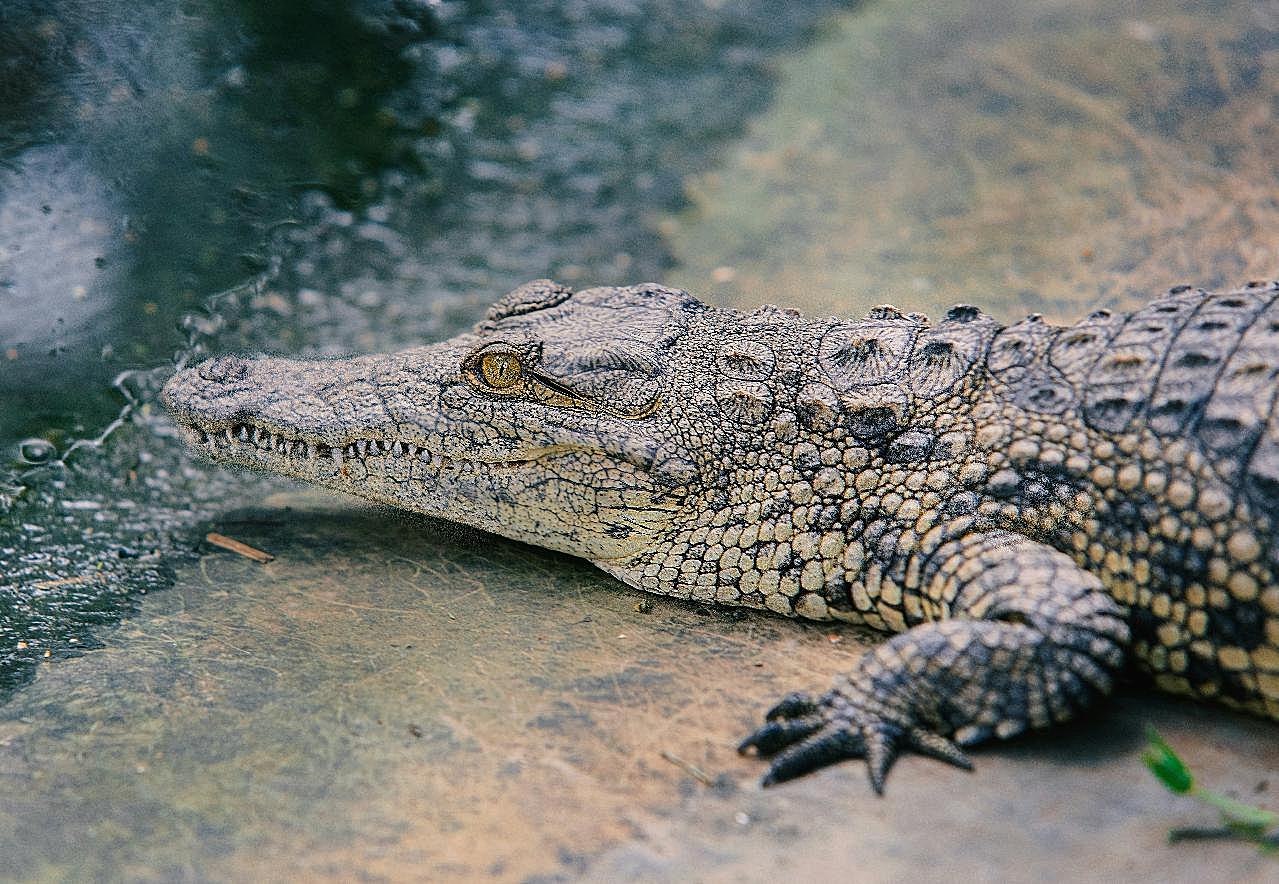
(1029, 508)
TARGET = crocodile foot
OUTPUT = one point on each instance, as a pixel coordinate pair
(804, 733)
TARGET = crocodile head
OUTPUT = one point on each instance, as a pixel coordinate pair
(555, 421)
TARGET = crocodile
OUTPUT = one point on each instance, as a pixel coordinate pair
(1033, 511)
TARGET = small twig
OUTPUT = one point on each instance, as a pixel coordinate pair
(1201, 833)
(1268, 844)
(691, 769)
(65, 581)
(235, 546)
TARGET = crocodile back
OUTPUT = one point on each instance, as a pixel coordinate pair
(1168, 461)
(1192, 366)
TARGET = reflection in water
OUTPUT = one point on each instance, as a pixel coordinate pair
(58, 264)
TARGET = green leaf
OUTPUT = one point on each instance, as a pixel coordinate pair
(1166, 765)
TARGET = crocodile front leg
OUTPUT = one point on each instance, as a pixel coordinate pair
(1026, 638)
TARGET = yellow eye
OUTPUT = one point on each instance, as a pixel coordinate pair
(500, 370)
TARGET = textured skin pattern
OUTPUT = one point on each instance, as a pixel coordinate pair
(1028, 508)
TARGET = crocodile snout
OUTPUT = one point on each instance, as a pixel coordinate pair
(209, 391)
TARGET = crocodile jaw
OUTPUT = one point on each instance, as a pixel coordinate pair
(404, 429)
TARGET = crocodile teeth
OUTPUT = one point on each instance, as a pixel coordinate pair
(424, 456)
(397, 449)
(266, 440)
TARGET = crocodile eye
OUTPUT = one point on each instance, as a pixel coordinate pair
(501, 370)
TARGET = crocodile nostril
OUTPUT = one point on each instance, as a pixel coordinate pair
(223, 369)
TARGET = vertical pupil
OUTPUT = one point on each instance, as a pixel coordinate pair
(500, 369)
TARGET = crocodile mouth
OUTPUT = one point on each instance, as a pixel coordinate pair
(235, 441)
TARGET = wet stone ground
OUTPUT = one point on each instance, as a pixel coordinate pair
(392, 698)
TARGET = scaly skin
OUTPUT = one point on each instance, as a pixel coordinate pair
(1028, 508)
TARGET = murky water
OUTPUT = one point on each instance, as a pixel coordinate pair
(397, 699)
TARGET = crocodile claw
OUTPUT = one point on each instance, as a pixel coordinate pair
(802, 735)
(793, 705)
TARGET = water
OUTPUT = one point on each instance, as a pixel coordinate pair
(305, 177)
